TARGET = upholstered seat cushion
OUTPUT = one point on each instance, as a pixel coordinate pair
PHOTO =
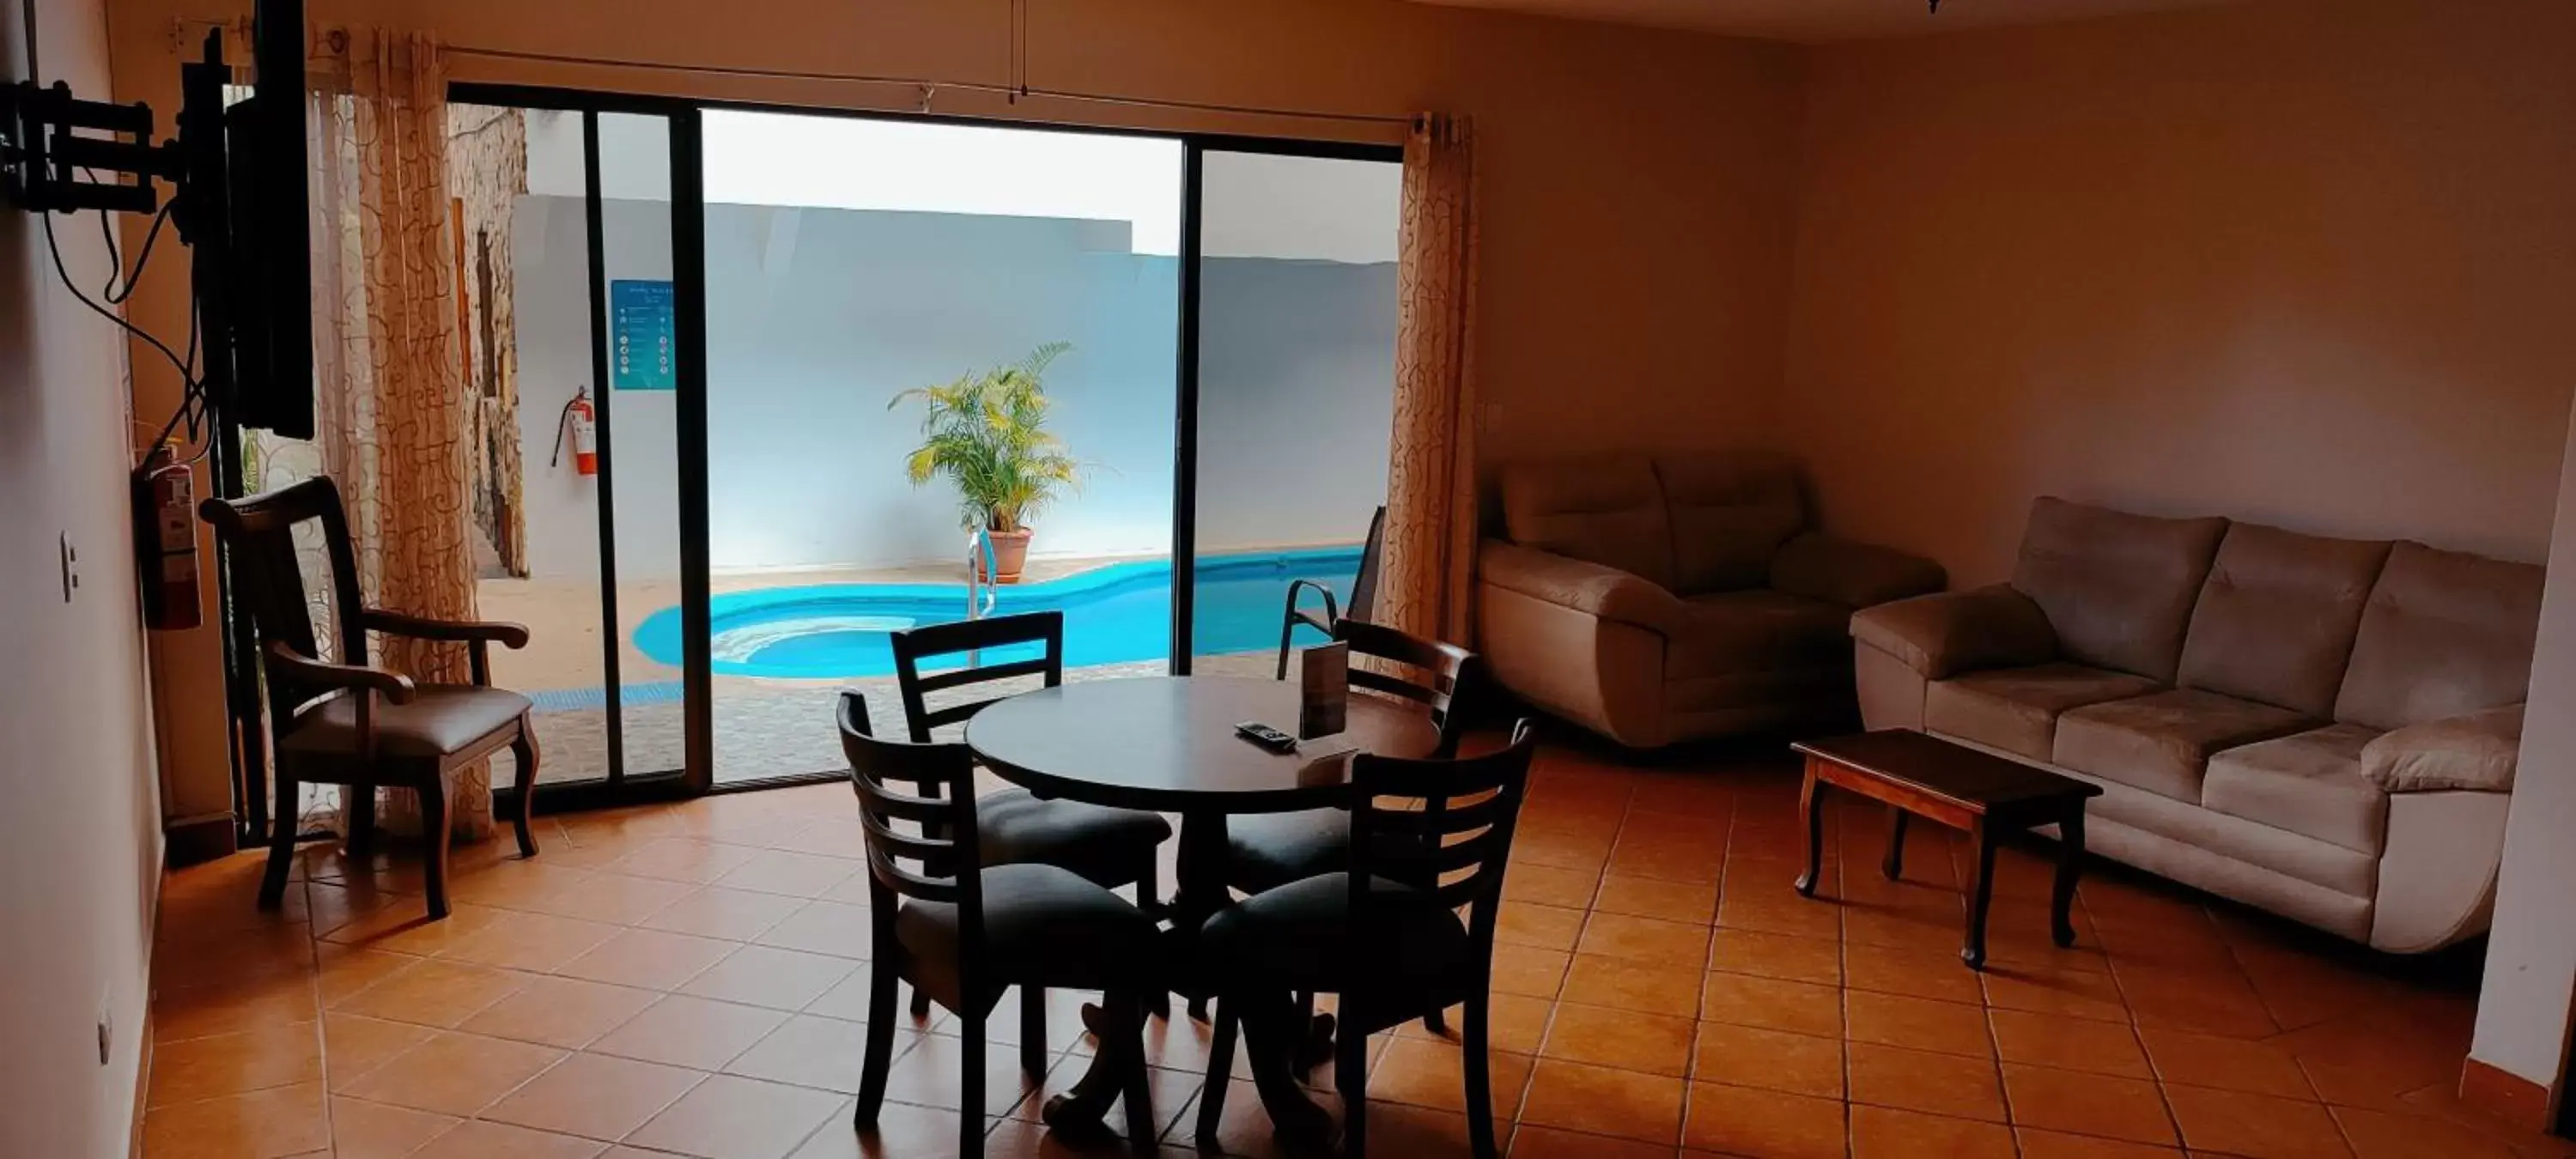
(2016, 709)
(2162, 742)
(440, 720)
(1269, 850)
(2309, 783)
(1108, 846)
(1757, 631)
(1301, 936)
(1043, 926)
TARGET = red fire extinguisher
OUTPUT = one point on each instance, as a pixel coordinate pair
(584, 424)
(166, 539)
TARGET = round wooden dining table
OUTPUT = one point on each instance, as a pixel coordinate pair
(1167, 744)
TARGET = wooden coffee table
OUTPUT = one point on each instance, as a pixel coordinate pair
(1917, 775)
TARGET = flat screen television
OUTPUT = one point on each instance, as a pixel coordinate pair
(260, 286)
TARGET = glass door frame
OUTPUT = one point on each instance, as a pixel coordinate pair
(1185, 437)
(688, 256)
(688, 289)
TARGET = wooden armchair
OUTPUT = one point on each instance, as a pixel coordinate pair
(348, 723)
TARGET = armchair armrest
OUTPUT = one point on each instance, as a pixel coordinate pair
(2476, 750)
(396, 686)
(1851, 573)
(1941, 635)
(1589, 588)
(478, 636)
(507, 635)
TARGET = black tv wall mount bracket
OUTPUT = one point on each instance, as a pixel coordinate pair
(59, 153)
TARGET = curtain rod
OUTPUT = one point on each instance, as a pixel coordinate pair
(927, 85)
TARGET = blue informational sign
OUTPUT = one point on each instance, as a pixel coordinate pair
(640, 335)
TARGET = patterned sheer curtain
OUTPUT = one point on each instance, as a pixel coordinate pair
(392, 413)
(1423, 584)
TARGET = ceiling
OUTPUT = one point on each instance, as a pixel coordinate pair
(1814, 21)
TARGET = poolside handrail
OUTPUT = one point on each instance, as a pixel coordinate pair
(981, 589)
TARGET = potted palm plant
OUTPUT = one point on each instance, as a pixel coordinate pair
(987, 433)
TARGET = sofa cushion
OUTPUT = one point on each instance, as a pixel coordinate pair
(2016, 709)
(2477, 751)
(2276, 617)
(2444, 634)
(1756, 631)
(1607, 510)
(2162, 742)
(2118, 588)
(2309, 783)
(1730, 513)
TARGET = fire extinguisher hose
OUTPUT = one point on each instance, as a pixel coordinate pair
(563, 420)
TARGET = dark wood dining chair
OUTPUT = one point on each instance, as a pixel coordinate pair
(1272, 849)
(962, 935)
(1361, 606)
(1383, 933)
(344, 722)
(1109, 847)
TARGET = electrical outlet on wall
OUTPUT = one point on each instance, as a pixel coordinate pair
(71, 567)
(106, 1031)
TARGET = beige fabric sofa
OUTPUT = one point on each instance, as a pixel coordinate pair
(2324, 728)
(1656, 600)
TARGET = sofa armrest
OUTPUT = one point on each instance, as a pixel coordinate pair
(1942, 635)
(2475, 751)
(1589, 588)
(1851, 573)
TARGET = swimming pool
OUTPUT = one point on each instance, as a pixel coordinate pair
(1113, 614)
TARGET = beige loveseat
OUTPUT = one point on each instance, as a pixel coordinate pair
(2325, 728)
(1655, 600)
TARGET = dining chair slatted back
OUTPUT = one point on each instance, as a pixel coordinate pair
(258, 534)
(921, 863)
(914, 645)
(1446, 670)
(1461, 848)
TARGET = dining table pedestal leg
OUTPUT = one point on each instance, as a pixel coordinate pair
(1272, 1034)
(1117, 1070)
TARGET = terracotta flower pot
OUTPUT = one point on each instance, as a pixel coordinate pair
(1010, 555)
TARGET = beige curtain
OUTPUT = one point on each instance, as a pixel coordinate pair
(392, 414)
(1423, 585)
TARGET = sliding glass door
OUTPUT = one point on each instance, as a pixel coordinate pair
(580, 497)
(1294, 291)
(916, 332)
(789, 382)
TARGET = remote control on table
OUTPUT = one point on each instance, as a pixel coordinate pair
(1266, 736)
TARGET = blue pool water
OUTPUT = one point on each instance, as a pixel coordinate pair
(1112, 614)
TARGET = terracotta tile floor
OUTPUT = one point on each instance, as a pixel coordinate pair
(685, 979)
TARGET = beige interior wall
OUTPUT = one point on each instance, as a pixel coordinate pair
(1635, 184)
(2300, 262)
(79, 867)
(2306, 263)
